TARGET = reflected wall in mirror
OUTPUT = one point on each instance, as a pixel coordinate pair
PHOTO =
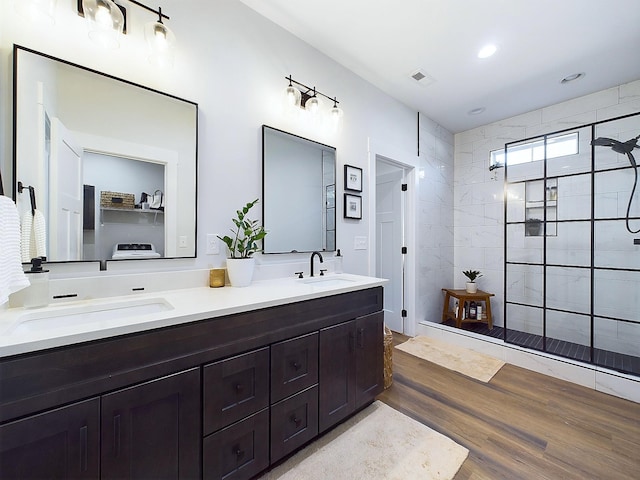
(91, 145)
(298, 192)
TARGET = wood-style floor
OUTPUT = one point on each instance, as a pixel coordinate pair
(520, 425)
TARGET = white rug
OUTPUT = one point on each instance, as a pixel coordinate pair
(379, 443)
(468, 362)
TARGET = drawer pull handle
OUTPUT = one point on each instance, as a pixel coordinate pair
(239, 387)
(296, 420)
(238, 452)
(296, 365)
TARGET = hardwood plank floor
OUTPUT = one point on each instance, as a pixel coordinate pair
(521, 424)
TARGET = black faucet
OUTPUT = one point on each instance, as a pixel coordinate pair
(313, 255)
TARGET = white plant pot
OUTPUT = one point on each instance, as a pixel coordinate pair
(472, 287)
(240, 271)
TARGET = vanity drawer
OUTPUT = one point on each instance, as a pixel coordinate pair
(235, 388)
(294, 366)
(294, 422)
(239, 451)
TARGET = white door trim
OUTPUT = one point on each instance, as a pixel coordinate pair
(408, 161)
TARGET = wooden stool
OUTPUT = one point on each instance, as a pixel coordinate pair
(462, 296)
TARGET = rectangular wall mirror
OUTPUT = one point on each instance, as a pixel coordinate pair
(90, 145)
(298, 192)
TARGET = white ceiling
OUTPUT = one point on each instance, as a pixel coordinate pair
(539, 43)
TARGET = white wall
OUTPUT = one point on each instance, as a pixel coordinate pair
(478, 193)
(232, 62)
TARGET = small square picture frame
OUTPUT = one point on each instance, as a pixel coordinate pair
(352, 178)
(352, 206)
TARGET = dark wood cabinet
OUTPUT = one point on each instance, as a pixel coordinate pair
(152, 430)
(337, 374)
(369, 358)
(60, 444)
(252, 387)
(351, 367)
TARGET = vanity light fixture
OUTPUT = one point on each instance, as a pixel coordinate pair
(300, 95)
(107, 20)
(40, 11)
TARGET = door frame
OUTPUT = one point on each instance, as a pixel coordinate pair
(409, 162)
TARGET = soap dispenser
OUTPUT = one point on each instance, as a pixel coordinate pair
(37, 295)
(338, 262)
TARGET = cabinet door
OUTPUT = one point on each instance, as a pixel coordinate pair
(337, 374)
(61, 443)
(152, 430)
(369, 357)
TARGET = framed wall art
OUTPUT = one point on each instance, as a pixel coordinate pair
(352, 206)
(352, 178)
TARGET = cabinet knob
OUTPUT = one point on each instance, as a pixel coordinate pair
(296, 420)
(238, 452)
(239, 387)
(296, 365)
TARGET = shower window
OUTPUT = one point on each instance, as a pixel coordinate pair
(536, 150)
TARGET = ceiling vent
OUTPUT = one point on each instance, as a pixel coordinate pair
(422, 78)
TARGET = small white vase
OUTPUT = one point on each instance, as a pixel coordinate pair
(472, 287)
(240, 271)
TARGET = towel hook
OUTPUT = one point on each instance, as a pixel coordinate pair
(32, 196)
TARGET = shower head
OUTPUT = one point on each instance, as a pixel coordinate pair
(619, 147)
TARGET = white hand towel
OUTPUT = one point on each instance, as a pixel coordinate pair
(39, 234)
(26, 227)
(34, 236)
(12, 278)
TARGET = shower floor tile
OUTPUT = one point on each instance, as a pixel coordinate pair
(604, 358)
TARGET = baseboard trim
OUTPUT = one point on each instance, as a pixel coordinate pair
(591, 376)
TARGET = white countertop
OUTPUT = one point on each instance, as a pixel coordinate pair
(24, 330)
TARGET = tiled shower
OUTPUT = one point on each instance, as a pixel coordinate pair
(571, 265)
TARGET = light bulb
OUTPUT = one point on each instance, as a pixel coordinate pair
(312, 105)
(292, 96)
(105, 22)
(161, 42)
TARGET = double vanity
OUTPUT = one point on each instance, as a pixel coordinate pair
(192, 383)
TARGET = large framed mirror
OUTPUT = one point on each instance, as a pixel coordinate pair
(298, 192)
(89, 149)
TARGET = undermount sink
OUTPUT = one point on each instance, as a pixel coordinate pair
(331, 281)
(103, 313)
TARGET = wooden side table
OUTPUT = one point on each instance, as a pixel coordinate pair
(462, 296)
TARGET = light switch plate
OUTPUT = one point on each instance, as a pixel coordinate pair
(360, 243)
(213, 248)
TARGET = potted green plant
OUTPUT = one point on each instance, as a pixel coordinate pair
(471, 284)
(242, 245)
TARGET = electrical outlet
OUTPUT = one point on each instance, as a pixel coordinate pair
(182, 241)
(360, 243)
(213, 248)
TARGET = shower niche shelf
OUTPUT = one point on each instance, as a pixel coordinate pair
(541, 199)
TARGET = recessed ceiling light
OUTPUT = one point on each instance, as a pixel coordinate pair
(487, 51)
(476, 111)
(572, 77)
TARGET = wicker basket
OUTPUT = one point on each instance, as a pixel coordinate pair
(116, 200)
(388, 357)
